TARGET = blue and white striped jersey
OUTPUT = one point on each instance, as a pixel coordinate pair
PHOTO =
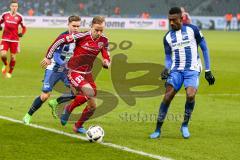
(61, 55)
(181, 48)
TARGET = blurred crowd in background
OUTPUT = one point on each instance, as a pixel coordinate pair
(123, 8)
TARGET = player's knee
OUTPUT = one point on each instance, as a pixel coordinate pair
(44, 96)
(3, 53)
(93, 107)
(168, 97)
(92, 104)
(191, 92)
(13, 57)
(90, 94)
(190, 96)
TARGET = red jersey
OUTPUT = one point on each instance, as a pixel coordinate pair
(228, 17)
(85, 52)
(238, 16)
(186, 18)
(11, 24)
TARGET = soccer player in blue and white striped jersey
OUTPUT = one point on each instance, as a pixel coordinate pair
(55, 72)
(182, 66)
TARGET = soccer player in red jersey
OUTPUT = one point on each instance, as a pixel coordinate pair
(88, 46)
(10, 36)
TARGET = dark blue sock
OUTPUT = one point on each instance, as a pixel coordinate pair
(189, 106)
(37, 103)
(161, 115)
(65, 98)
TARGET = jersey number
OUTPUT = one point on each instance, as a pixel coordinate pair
(79, 79)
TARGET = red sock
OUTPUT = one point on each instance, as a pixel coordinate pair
(78, 100)
(86, 114)
(4, 60)
(11, 65)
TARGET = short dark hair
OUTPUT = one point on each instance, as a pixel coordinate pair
(175, 10)
(98, 20)
(14, 1)
(73, 18)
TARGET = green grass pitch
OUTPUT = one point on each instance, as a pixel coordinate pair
(214, 127)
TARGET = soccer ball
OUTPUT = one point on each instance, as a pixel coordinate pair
(95, 134)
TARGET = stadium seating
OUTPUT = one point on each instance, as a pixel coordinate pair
(133, 8)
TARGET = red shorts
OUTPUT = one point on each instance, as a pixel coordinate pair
(78, 80)
(13, 46)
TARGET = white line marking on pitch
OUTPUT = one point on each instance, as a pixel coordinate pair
(83, 138)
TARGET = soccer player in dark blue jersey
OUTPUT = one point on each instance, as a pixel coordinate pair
(182, 66)
(56, 71)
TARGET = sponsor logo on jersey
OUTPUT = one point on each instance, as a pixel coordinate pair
(12, 22)
(181, 44)
(89, 48)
